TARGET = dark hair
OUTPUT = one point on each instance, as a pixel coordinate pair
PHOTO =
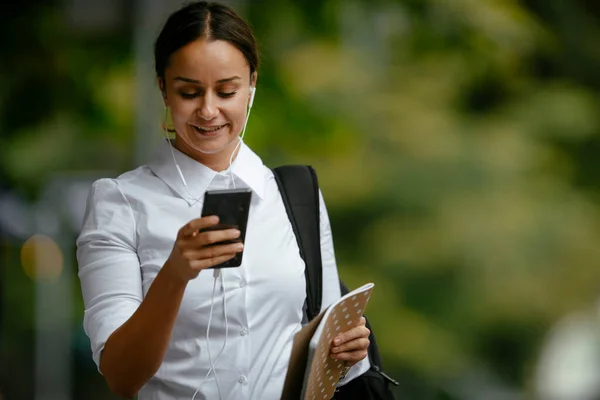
(210, 21)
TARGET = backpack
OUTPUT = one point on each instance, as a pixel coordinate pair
(299, 190)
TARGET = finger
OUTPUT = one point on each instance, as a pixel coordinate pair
(192, 227)
(356, 344)
(360, 331)
(362, 321)
(350, 356)
(210, 262)
(213, 251)
(212, 237)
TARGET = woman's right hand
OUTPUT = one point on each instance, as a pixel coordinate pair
(194, 251)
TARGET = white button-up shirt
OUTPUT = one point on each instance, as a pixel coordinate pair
(129, 230)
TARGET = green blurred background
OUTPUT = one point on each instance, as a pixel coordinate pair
(457, 144)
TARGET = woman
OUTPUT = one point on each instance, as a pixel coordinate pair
(162, 326)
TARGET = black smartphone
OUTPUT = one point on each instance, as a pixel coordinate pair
(232, 206)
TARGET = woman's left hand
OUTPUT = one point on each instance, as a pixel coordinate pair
(351, 346)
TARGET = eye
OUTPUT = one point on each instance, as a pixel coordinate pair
(226, 95)
(189, 95)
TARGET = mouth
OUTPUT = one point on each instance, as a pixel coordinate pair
(209, 130)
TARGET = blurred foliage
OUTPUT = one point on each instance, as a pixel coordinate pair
(456, 142)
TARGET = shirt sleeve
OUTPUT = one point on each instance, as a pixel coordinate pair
(109, 268)
(331, 284)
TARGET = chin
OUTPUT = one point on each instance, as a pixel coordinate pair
(210, 146)
(210, 150)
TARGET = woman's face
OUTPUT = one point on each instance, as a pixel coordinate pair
(207, 87)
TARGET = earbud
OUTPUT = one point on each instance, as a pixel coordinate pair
(252, 93)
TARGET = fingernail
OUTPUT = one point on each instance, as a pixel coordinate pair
(236, 232)
(239, 246)
(337, 341)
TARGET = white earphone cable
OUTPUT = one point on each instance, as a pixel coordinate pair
(212, 364)
(241, 138)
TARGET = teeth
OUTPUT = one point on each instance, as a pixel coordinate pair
(209, 130)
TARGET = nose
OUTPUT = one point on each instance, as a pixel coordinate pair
(209, 108)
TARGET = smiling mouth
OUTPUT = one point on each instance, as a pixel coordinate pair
(213, 130)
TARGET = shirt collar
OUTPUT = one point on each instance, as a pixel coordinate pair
(247, 167)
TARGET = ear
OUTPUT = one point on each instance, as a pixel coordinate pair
(253, 78)
(163, 90)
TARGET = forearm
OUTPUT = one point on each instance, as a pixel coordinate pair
(134, 352)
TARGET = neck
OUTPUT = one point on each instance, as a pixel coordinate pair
(217, 162)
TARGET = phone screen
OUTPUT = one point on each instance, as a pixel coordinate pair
(232, 207)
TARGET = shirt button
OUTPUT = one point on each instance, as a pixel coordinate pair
(242, 284)
(242, 379)
(244, 332)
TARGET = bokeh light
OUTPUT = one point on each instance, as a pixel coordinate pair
(41, 258)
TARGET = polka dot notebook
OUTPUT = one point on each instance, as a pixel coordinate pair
(323, 372)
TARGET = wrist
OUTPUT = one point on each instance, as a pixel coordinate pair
(171, 277)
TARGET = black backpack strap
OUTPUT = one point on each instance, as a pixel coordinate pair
(299, 190)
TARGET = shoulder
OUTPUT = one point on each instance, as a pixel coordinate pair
(132, 187)
(108, 213)
(105, 198)
(104, 192)
(112, 189)
(137, 181)
(112, 194)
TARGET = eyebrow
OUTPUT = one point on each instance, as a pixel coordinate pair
(188, 80)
